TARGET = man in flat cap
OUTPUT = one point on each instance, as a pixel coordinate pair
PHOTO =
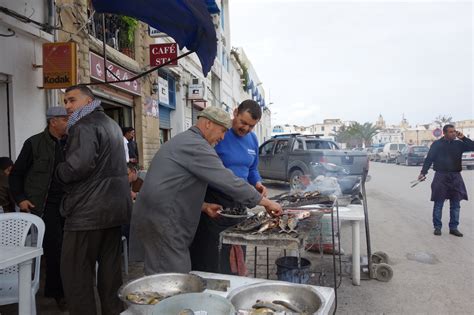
(167, 211)
(37, 191)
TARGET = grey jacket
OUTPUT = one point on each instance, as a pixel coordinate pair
(167, 212)
(97, 192)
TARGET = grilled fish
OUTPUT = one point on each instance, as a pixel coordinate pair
(292, 224)
(270, 224)
(283, 223)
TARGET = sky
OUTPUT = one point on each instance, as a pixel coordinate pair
(354, 60)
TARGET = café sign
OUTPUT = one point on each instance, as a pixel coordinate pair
(59, 65)
(161, 53)
(98, 73)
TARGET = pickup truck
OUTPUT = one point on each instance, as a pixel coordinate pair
(286, 157)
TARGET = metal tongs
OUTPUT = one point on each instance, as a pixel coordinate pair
(416, 182)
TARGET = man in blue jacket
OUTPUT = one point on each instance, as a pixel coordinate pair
(239, 153)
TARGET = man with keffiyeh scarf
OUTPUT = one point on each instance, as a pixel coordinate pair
(95, 205)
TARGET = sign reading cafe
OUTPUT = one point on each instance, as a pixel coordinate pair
(161, 53)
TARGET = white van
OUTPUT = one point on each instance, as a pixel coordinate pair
(391, 151)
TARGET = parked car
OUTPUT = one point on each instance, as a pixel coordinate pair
(412, 155)
(391, 151)
(374, 154)
(287, 157)
(468, 160)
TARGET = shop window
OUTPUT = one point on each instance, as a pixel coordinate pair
(164, 135)
(171, 89)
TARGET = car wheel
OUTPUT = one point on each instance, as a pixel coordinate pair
(294, 179)
(470, 167)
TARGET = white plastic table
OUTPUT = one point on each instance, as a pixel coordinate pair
(354, 214)
(22, 256)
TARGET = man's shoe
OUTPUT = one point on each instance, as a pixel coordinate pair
(437, 232)
(455, 232)
(61, 303)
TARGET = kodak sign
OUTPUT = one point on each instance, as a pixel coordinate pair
(59, 65)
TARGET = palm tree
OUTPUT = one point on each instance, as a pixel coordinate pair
(442, 120)
(367, 131)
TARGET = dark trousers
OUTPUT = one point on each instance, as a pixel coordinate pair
(53, 238)
(81, 251)
(205, 254)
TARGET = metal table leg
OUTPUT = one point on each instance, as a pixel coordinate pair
(255, 264)
(268, 268)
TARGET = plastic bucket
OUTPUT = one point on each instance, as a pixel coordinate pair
(287, 269)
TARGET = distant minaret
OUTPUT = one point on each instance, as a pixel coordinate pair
(404, 123)
(380, 122)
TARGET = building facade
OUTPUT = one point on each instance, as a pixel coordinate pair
(23, 102)
(159, 105)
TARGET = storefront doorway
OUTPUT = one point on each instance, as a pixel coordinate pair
(121, 114)
(5, 122)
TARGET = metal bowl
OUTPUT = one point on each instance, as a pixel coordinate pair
(168, 284)
(303, 297)
(199, 303)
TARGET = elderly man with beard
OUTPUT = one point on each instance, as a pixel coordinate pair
(239, 153)
(167, 211)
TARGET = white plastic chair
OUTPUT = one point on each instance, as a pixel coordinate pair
(14, 228)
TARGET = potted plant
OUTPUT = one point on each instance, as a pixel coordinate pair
(127, 35)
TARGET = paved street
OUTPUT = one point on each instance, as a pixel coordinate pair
(432, 274)
(441, 278)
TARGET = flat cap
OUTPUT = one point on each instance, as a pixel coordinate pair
(56, 111)
(217, 115)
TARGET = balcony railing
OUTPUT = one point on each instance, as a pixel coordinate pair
(119, 32)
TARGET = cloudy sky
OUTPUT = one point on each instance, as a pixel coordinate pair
(355, 59)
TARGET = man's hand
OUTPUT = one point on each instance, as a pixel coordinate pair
(133, 195)
(459, 134)
(272, 207)
(421, 177)
(26, 206)
(211, 209)
(261, 189)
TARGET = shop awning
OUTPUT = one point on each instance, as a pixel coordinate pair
(212, 7)
(188, 22)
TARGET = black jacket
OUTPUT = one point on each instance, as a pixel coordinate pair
(32, 175)
(447, 155)
(97, 192)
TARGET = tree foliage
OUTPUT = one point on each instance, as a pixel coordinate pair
(356, 135)
(442, 120)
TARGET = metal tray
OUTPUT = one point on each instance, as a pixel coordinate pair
(304, 297)
(168, 284)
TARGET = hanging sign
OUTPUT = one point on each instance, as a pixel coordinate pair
(161, 53)
(59, 65)
(98, 73)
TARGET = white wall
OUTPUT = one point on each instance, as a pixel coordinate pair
(17, 54)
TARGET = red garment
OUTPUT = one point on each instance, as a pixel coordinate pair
(237, 261)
